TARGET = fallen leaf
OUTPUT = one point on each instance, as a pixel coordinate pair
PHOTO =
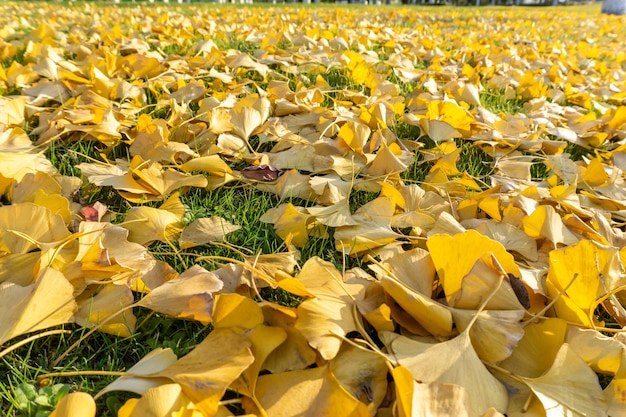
(261, 172)
(362, 373)
(205, 230)
(569, 387)
(48, 302)
(188, 296)
(75, 404)
(455, 256)
(206, 372)
(450, 362)
(323, 320)
(162, 400)
(314, 392)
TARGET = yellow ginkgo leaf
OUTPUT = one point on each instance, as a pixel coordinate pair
(105, 254)
(413, 268)
(537, 349)
(455, 256)
(495, 333)
(75, 404)
(18, 268)
(544, 222)
(155, 361)
(166, 399)
(404, 388)
(16, 165)
(602, 353)
(36, 222)
(313, 392)
(140, 181)
(380, 318)
(234, 310)
(205, 230)
(569, 387)
(487, 279)
(362, 373)
(595, 174)
(48, 302)
(147, 224)
(323, 320)
(354, 135)
(264, 340)
(429, 399)
(188, 296)
(439, 130)
(289, 221)
(576, 266)
(211, 164)
(210, 368)
(512, 238)
(107, 302)
(245, 120)
(389, 160)
(614, 392)
(294, 353)
(451, 362)
(373, 229)
(12, 110)
(434, 317)
(335, 215)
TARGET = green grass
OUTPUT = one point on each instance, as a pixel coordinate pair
(495, 102)
(100, 351)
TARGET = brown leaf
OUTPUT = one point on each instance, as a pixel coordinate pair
(262, 172)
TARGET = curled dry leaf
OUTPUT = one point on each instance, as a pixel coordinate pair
(262, 172)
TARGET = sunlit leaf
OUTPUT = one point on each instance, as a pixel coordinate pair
(450, 362)
(188, 296)
(455, 256)
(315, 392)
(48, 302)
(75, 404)
(569, 387)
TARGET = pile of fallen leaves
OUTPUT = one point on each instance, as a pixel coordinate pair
(480, 296)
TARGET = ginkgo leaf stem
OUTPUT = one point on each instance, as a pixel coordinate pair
(372, 348)
(61, 374)
(145, 320)
(504, 371)
(369, 258)
(484, 303)
(230, 402)
(31, 339)
(608, 295)
(264, 276)
(551, 303)
(230, 246)
(176, 251)
(57, 246)
(252, 280)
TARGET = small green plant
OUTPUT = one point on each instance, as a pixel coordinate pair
(31, 402)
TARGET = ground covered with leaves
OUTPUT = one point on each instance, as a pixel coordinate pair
(316, 211)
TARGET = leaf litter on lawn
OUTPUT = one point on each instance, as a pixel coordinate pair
(482, 290)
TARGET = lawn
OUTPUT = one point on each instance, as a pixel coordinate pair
(321, 210)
